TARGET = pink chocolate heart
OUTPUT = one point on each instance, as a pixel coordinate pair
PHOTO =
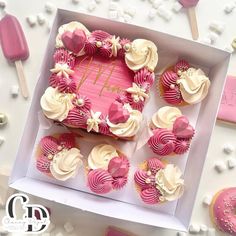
(182, 128)
(118, 167)
(74, 41)
(118, 114)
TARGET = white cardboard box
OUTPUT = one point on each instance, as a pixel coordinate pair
(174, 215)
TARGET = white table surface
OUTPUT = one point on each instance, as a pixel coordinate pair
(16, 108)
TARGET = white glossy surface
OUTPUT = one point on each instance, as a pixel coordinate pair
(16, 108)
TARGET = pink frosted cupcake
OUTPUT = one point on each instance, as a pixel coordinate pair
(172, 133)
(58, 156)
(158, 182)
(182, 84)
(107, 169)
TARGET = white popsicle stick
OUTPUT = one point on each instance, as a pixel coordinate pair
(193, 22)
(22, 80)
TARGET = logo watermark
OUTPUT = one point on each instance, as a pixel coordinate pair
(29, 223)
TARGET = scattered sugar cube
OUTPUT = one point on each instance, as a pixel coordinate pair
(31, 20)
(92, 6)
(41, 18)
(152, 13)
(181, 234)
(113, 6)
(229, 49)
(127, 18)
(130, 11)
(49, 7)
(14, 90)
(203, 228)
(207, 199)
(213, 36)
(68, 227)
(157, 3)
(194, 228)
(220, 166)
(75, 1)
(231, 163)
(2, 140)
(217, 26)
(163, 12)
(177, 7)
(229, 8)
(228, 148)
(3, 4)
(113, 15)
(211, 232)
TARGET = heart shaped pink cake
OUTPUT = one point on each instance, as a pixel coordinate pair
(99, 82)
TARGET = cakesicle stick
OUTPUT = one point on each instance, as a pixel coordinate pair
(14, 47)
(190, 6)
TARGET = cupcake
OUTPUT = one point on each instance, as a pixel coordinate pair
(158, 182)
(172, 133)
(182, 84)
(107, 169)
(58, 156)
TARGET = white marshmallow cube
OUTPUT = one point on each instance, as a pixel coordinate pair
(41, 18)
(220, 166)
(176, 7)
(68, 227)
(157, 3)
(49, 7)
(231, 163)
(217, 26)
(2, 140)
(14, 90)
(229, 8)
(92, 6)
(207, 199)
(203, 228)
(152, 13)
(31, 20)
(228, 148)
(127, 18)
(194, 229)
(211, 232)
(3, 4)
(130, 11)
(164, 13)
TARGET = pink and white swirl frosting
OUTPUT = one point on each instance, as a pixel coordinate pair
(162, 142)
(158, 182)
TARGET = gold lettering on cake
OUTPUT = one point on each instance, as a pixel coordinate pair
(101, 69)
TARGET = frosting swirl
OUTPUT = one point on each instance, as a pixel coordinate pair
(143, 53)
(150, 195)
(128, 128)
(73, 25)
(169, 182)
(100, 156)
(165, 117)
(56, 105)
(65, 163)
(194, 85)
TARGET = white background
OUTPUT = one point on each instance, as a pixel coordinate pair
(16, 108)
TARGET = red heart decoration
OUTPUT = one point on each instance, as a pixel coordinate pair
(182, 128)
(74, 41)
(117, 114)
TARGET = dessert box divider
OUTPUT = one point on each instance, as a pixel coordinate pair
(125, 204)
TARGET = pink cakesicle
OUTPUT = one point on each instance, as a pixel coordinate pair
(190, 5)
(14, 47)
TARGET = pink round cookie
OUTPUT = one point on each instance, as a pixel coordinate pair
(108, 169)
(158, 182)
(223, 209)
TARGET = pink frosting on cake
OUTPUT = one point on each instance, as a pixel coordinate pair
(118, 166)
(100, 35)
(62, 56)
(173, 96)
(66, 85)
(103, 126)
(82, 103)
(48, 145)
(140, 177)
(67, 140)
(181, 146)
(121, 51)
(139, 105)
(43, 164)
(54, 80)
(181, 65)
(162, 142)
(100, 181)
(182, 129)
(90, 47)
(144, 76)
(119, 182)
(105, 51)
(150, 195)
(223, 209)
(117, 113)
(169, 78)
(154, 164)
(77, 117)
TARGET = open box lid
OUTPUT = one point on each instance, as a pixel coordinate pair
(214, 59)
